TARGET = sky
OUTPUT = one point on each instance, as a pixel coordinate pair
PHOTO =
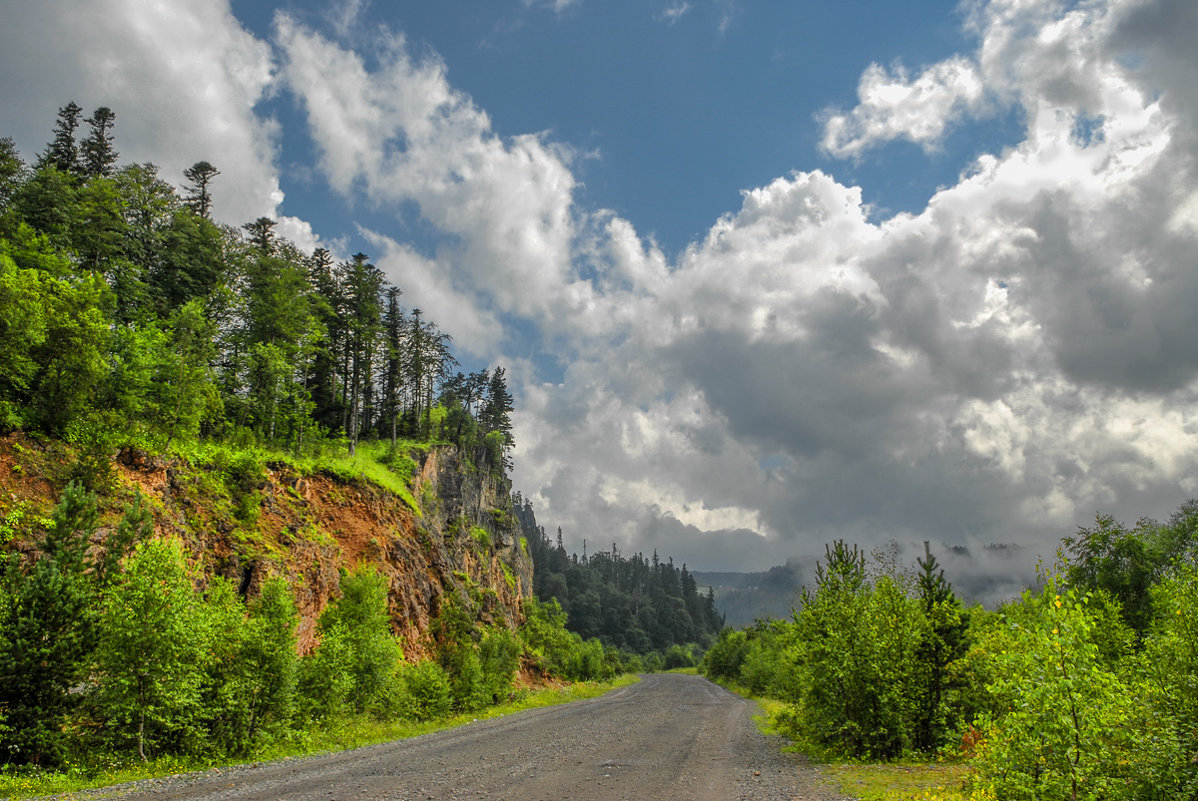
(762, 275)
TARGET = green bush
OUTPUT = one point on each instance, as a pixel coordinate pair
(429, 694)
(1072, 718)
(325, 676)
(857, 681)
(725, 657)
(360, 654)
(678, 656)
(151, 663)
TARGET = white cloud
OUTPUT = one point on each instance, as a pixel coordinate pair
(673, 13)
(994, 368)
(430, 288)
(558, 6)
(182, 77)
(401, 133)
(893, 106)
(345, 14)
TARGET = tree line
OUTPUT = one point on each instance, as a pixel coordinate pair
(125, 308)
(638, 605)
(1084, 687)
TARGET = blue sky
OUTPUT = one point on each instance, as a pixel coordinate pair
(673, 114)
(762, 275)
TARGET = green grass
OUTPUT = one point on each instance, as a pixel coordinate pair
(345, 734)
(901, 781)
(373, 462)
(481, 536)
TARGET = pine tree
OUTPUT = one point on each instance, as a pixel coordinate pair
(496, 414)
(198, 198)
(393, 331)
(96, 151)
(262, 235)
(63, 152)
(47, 633)
(364, 309)
(12, 171)
(943, 643)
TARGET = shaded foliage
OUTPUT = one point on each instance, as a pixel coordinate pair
(630, 603)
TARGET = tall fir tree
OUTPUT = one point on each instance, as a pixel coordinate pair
(97, 153)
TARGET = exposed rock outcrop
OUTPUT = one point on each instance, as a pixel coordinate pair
(460, 540)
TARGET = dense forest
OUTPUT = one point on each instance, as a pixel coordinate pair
(126, 311)
(643, 606)
(1085, 687)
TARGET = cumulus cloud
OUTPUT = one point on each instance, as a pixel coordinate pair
(892, 105)
(400, 133)
(168, 72)
(995, 368)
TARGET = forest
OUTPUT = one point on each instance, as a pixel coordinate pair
(641, 607)
(130, 321)
(127, 311)
(1085, 687)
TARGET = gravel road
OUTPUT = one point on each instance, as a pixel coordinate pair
(668, 737)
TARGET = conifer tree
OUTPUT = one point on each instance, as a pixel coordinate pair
(97, 154)
(12, 170)
(198, 198)
(362, 287)
(63, 152)
(393, 331)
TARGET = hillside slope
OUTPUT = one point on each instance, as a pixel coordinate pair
(454, 536)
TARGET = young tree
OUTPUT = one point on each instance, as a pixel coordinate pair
(48, 632)
(47, 625)
(945, 642)
(269, 659)
(362, 613)
(151, 661)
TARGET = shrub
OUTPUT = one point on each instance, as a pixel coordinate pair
(429, 695)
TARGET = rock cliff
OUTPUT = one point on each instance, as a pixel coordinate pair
(457, 539)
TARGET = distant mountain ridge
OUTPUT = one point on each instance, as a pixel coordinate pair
(986, 574)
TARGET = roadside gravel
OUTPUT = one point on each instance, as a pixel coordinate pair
(670, 736)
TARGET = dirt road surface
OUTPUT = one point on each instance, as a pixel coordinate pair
(668, 737)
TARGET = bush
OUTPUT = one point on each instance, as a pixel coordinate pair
(1072, 718)
(428, 695)
(726, 655)
(371, 651)
(679, 656)
(857, 683)
(326, 676)
(151, 661)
